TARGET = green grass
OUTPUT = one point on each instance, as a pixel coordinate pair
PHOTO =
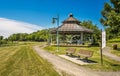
(22, 60)
(111, 42)
(116, 52)
(114, 40)
(18, 43)
(108, 64)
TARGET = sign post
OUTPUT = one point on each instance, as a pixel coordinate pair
(103, 39)
(103, 44)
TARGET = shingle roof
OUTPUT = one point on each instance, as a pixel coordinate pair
(71, 19)
(72, 26)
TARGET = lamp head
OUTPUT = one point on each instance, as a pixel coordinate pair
(53, 20)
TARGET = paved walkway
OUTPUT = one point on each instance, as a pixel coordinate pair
(77, 60)
(106, 52)
(64, 65)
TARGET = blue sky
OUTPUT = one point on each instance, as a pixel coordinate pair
(40, 12)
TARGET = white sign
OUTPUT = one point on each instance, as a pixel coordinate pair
(103, 39)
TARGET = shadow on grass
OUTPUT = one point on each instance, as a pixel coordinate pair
(87, 61)
(115, 64)
(71, 46)
(72, 56)
(76, 45)
(83, 59)
(118, 49)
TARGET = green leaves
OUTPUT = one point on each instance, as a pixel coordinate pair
(1, 37)
(94, 27)
(107, 7)
(41, 35)
(111, 18)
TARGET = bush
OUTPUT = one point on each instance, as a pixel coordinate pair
(95, 44)
(115, 40)
(3, 42)
(115, 46)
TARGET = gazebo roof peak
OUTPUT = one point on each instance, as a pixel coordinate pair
(70, 15)
(71, 19)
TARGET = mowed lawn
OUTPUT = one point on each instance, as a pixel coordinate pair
(23, 61)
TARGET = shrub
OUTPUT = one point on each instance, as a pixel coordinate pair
(115, 40)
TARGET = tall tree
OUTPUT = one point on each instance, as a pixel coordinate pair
(96, 31)
(111, 18)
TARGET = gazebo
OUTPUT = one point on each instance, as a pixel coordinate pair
(72, 26)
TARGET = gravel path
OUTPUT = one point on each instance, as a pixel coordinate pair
(63, 65)
(106, 52)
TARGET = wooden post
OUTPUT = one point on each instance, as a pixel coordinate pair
(101, 55)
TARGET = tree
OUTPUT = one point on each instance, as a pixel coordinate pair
(1, 37)
(111, 18)
(41, 35)
(2, 40)
(96, 32)
(18, 37)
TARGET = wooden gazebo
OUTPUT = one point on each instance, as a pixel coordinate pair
(72, 26)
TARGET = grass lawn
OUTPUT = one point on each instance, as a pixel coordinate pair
(109, 65)
(22, 60)
(116, 52)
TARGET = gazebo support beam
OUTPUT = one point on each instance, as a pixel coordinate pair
(92, 39)
(51, 39)
(81, 37)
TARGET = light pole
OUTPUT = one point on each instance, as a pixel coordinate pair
(53, 21)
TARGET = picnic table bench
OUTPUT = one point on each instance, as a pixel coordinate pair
(70, 51)
(85, 53)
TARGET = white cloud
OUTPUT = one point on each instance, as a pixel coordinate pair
(8, 27)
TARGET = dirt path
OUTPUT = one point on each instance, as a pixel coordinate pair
(106, 52)
(63, 65)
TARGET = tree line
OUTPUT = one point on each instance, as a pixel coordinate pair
(41, 35)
